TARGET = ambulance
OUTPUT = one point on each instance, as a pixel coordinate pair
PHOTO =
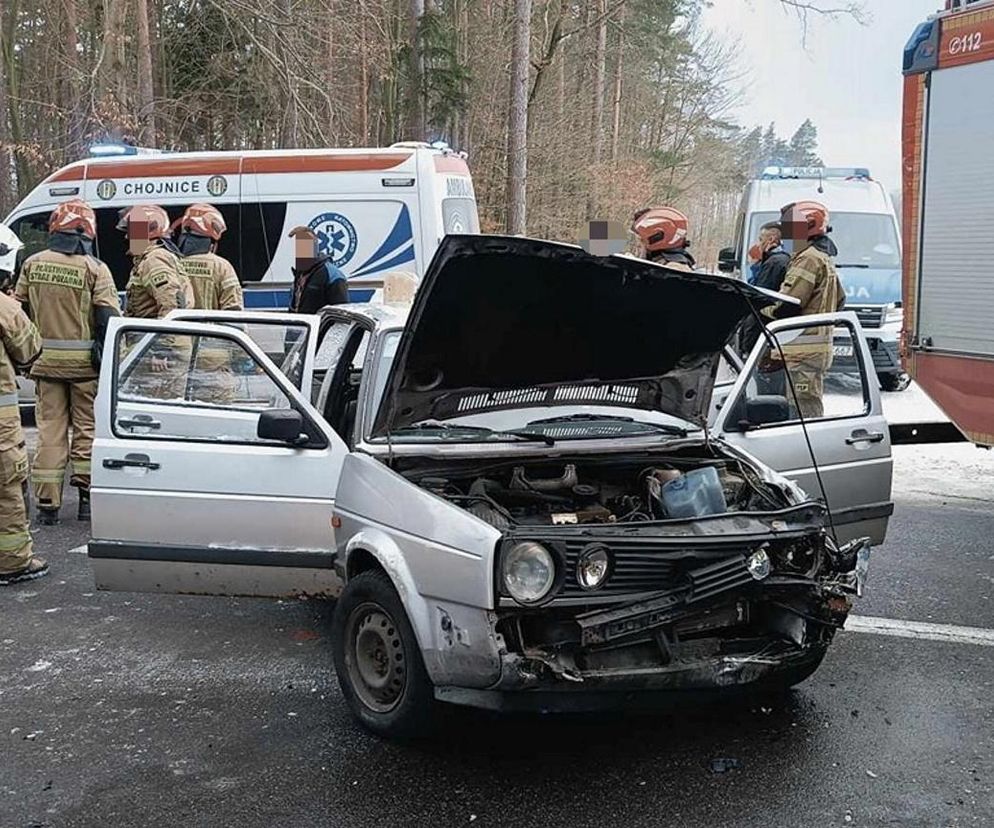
(948, 132)
(373, 210)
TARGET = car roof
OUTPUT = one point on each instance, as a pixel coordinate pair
(379, 316)
(838, 195)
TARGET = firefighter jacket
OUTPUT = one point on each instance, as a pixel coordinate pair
(157, 284)
(214, 281)
(20, 344)
(69, 297)
(812, 280)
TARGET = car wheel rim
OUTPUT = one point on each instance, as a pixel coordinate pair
(375, 658)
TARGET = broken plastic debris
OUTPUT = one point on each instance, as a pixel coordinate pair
(871, 774)
(724, 765)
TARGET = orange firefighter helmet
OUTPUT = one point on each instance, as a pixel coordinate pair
(203, 220)
(661, 228)
(804, 220)
(151, 214)
(71, 215)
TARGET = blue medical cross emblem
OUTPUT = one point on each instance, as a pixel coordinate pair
(336, 235)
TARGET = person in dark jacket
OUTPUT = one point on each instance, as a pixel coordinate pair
(316, 281)
(773, 264)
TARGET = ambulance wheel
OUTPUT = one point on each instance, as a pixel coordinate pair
(895, 382)
(378, 660)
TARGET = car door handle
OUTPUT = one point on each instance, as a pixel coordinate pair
(141, 421)
(132, 461)
(864, 437)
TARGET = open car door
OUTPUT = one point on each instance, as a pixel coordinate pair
(794, 409)
(288, 339)
(212, 472)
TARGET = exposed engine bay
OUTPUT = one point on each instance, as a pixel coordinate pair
(602, 491)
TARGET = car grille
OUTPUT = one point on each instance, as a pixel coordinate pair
(870, 317)
(639, 569)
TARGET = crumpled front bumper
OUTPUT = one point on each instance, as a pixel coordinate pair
(668, 647)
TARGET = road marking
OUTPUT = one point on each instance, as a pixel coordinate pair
(78, 550)
(920, 629)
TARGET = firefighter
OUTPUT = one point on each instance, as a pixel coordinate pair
(157, 283)
(20, 344)
(812, 280)
(662, 236)
(215, 287)
(214, 281)
(316, 281)
(70, 296)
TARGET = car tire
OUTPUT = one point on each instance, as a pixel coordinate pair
(378, 660)
(895, 382)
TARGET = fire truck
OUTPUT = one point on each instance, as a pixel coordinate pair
(948, 214)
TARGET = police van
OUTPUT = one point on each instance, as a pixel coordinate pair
(864, 228)
(373, 210)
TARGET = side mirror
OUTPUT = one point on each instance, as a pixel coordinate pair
(283, 425)
(764, 410)
(727, 260)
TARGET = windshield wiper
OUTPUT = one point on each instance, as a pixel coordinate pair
(581, 418)
(860, 266)
(437, 425)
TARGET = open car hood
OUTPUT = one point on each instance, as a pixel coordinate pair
(510, 322)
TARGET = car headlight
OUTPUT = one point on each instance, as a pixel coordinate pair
(528, 571)
(593, 567)
(758, 564)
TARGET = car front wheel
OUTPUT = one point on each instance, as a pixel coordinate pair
(378, 660)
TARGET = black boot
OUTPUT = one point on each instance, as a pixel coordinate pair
(48, 517)
(84, 505)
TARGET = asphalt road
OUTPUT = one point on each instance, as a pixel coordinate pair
(133, 710)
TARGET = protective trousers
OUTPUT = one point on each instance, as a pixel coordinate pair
(59, 404)
(15, 537)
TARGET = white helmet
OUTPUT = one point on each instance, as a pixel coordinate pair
(9, 245)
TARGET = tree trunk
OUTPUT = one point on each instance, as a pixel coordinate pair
(363, 79)
(7, 189)
(619, 71)
(415, 127)
(600, 58)
(517, 125)
(146, 89)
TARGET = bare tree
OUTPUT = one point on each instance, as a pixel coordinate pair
(517, 121)
(146, 89)
(600, 58)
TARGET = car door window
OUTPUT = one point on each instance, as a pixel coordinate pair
(165, 382)
(32, 230)
(814, 373)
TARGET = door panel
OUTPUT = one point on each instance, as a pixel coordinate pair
(186, 496)
(842, 413)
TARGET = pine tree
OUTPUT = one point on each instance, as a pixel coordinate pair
(803, 151)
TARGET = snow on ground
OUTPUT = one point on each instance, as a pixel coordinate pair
(911, 406)
(957, 471)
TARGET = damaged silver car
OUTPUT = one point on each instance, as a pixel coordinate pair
(550, 485)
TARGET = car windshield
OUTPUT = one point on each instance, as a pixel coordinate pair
(864, 239)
